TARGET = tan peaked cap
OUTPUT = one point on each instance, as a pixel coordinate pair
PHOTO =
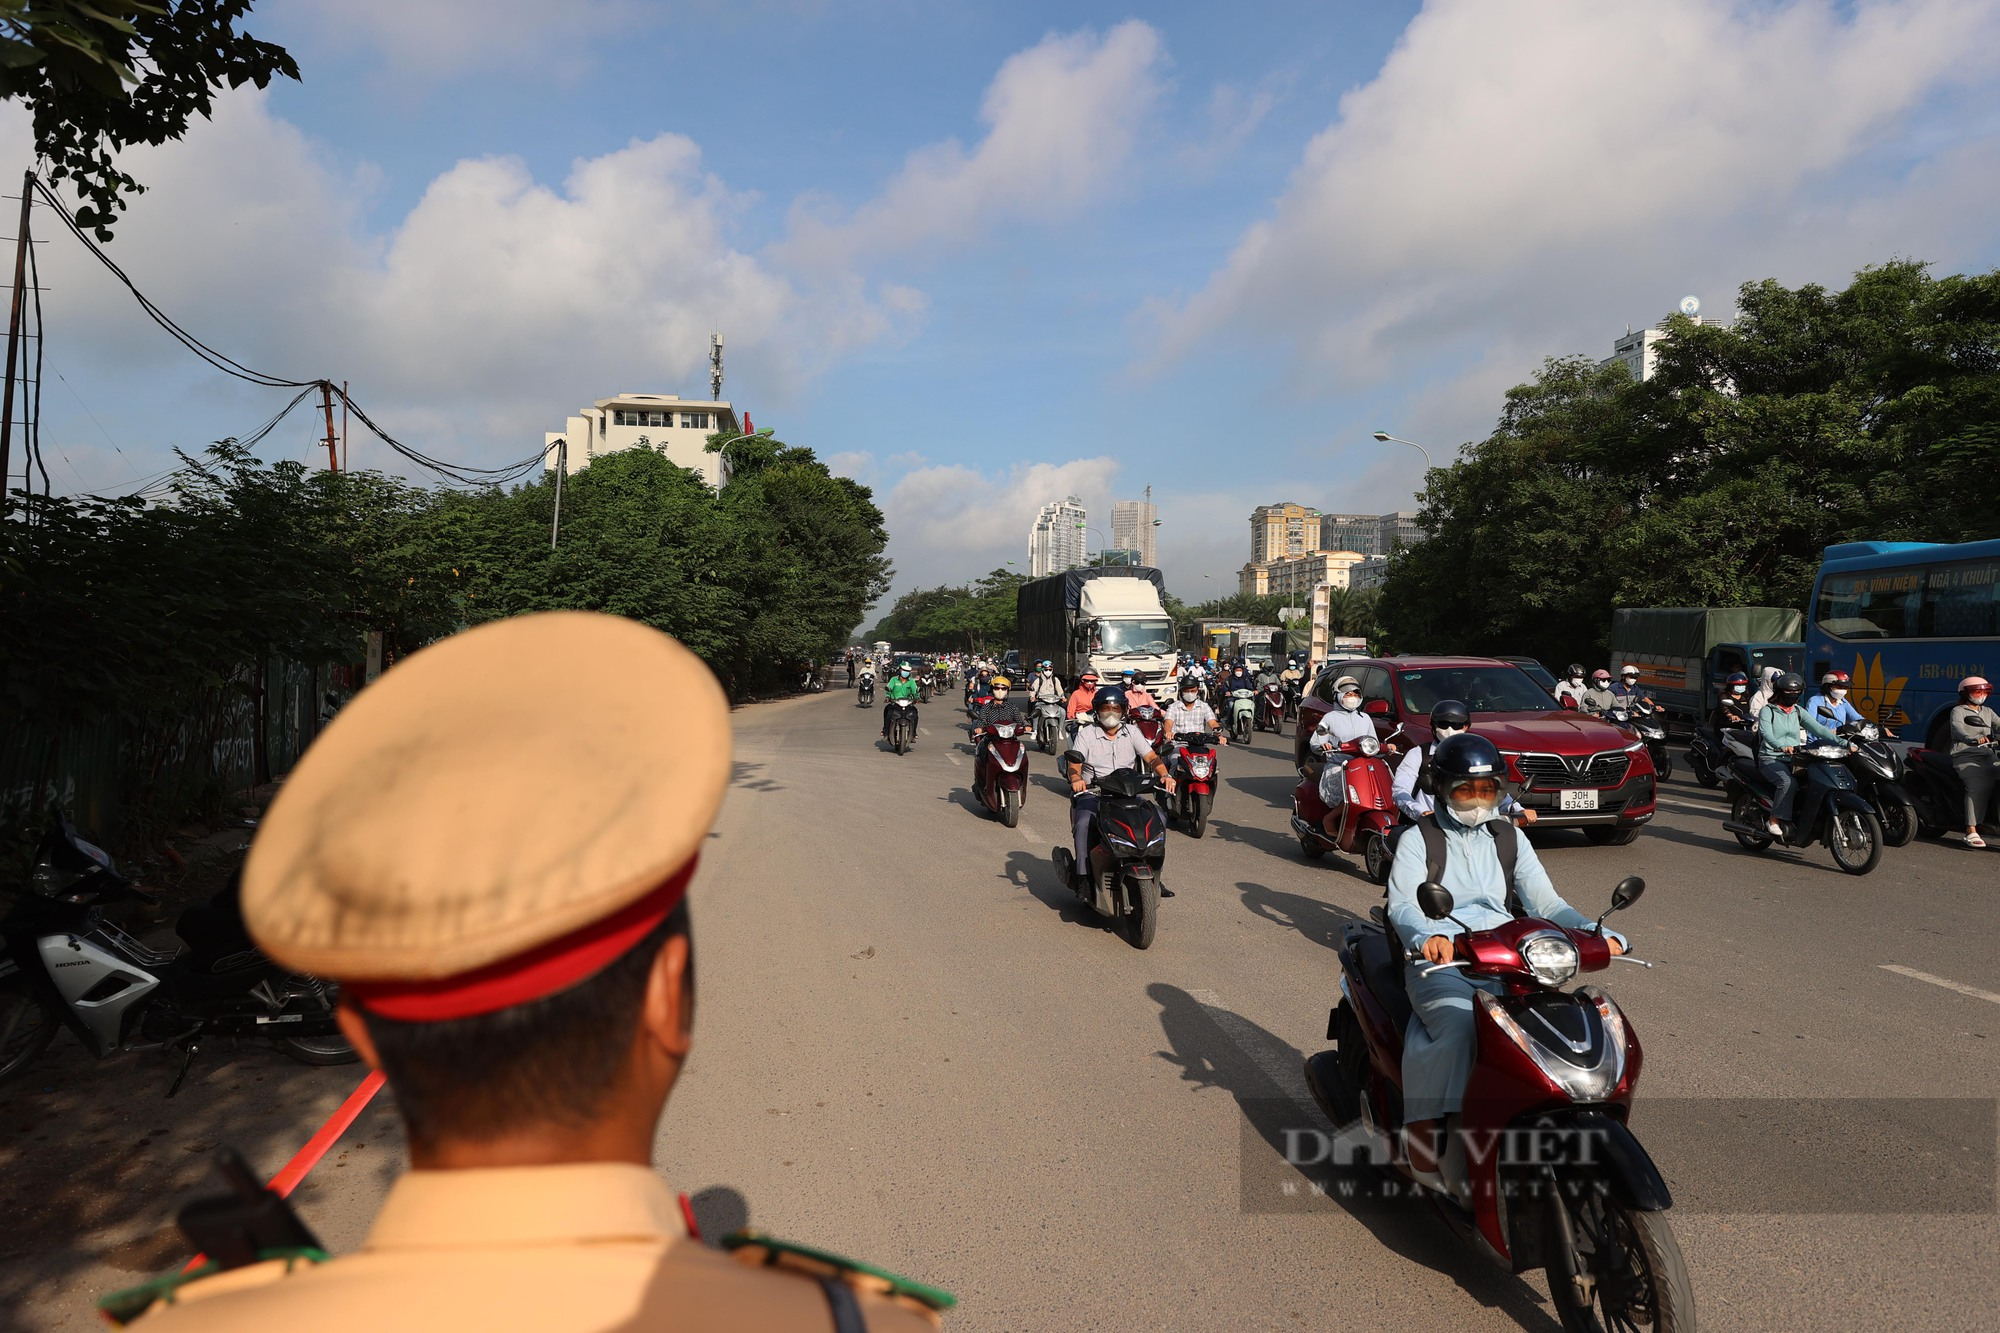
(489, 794)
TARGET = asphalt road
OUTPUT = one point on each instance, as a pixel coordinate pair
(914, 1048)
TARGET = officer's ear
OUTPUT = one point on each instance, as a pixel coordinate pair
(668, 1016)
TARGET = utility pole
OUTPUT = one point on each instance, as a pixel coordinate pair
(14, 335)
(343, 425)
(562, 466)
(332, 446)
(714, 356)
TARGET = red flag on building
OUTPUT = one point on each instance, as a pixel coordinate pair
(748, 429)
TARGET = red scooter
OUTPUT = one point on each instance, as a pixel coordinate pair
(1150, 724)
(1271, 707)
(1003, 786)
(1539, 1167)
(1366, 816)
(1195, 780)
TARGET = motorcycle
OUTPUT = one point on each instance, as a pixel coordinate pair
(1049, 719)
(1827, 808)
(1147, 721)
(1366, 816)
(1639, 719)
(1195, 781)
(1242, 714)
(1707, 758)
(924, 688)
(1540, 1166)
(867, 693)
(1878, 775)
(812, 682)
(1271, 707)
(65, 965)
(1938, 793)
(1293, 695)
(1004, 787)
(903, 726)
(1128, 844)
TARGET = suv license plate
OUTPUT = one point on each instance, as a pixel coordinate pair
(1579, 800)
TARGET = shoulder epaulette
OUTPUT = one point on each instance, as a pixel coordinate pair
(754, 1247)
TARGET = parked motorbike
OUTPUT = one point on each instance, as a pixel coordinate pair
(1642, 721)
(1366, 816)
(1128, 845)
(1195, 781)
(1827, 808)
(867, 693)
(1938, 794)
(903, 726)
(1878, 776)
(1540, 1165)
(1004, 787)
(1242, 713)
(65, 965)
(1049, 720)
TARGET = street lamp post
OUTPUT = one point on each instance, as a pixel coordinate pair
(1386, 438)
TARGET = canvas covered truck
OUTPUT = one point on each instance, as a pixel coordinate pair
(1104, 620)
(1684, 652)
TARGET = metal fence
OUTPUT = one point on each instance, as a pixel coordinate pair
(129, 782)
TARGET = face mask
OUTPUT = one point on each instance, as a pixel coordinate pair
(1630, 680)
(1446, 733)
(1190, 696)
(1576, 680)
(1473, 813)
(1836, 695)
(1350, 702)
(1109, 719)
(1978, 700)
(999, 694)
(1738, 689)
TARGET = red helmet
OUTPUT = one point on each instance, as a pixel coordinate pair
(1833, 679)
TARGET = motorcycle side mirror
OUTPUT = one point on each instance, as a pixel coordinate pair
(1379, 707)
(1435, 900)
(1627, 892)
(1072, 756)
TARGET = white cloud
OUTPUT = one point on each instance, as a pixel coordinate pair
(1062, 118)
(1523, 173)
(446, 37)
(950, 523)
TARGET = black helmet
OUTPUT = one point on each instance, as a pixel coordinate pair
(1790, 685)
(1107, 694)
(1464, 757)
(1451, 713)
(1576, 669)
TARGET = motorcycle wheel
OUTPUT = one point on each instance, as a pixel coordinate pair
(1703, 774)
(1855, 839)
(1010, 808)
(28, 1023)
(1375, 858)
(1632, 1262)
(902, 738)
(1197, 819)
(1747, 811)
(319, 1050)
(1899, 819)
(1142, 918)
(1664, 766)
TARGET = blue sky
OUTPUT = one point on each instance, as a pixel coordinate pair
(984, 255)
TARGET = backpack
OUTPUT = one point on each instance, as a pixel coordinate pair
(1506, 840)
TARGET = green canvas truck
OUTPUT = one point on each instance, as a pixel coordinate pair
(1683, 652)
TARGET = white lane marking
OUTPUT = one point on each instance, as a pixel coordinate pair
(954, 759)
(1948, 984)
(1285, 1076)
(1691, 807)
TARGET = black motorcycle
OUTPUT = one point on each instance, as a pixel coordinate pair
(1641, 719)
(1938, 794)
(1128, 845)
(1878, 775)
(866, 698)
(1827, 807)
(65, 964)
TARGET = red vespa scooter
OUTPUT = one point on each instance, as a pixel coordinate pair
(1366, 816)
(1540, 1166)
(1004, 786)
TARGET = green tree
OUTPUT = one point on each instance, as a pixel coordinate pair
(101, 75)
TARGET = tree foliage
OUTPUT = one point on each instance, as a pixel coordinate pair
(101, 75)
(1818, 417)
(976, 617)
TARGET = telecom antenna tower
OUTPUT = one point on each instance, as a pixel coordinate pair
(715, 367)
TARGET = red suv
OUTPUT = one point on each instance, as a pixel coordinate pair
(1571, 769)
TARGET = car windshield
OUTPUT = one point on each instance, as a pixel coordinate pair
(1135, 636)
(1482, 689)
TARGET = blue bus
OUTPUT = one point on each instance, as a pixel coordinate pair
(1906, 620)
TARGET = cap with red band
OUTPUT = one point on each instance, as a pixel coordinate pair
(443, 851)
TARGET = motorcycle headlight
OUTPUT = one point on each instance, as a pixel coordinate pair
(1004, 730)
(1871, 732)
(1552, 958)
(1201, 768)
(1368, 745)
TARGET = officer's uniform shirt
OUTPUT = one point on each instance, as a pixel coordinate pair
(557, 1249)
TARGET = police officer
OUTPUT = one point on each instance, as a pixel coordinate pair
(501, 894)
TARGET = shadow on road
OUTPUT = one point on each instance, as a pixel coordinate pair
(1318, 921)
(1038, 876)
(1274, 791)
(746, 775)
(1216, 1049)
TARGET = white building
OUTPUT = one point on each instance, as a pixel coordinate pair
(661, 422)
(1635, 350)
(1370, 573)
(1370, 534)
(1132, 528)
(1055, 543)
(1294, 578)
